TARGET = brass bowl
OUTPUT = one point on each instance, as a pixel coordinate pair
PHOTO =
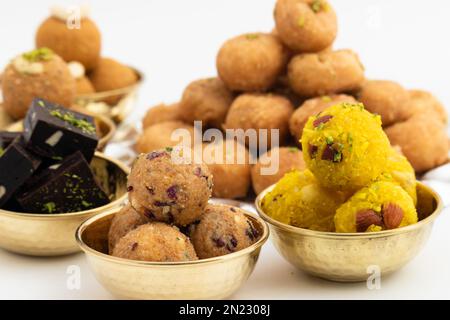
(93, 102)
(213, 278)
(106, 129)
(350, 257)
(52, 234)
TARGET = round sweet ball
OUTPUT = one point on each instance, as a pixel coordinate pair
(251, 62)
(317, 74)
(274, 164)
(386, 98)
(306, 25)
(156, 242)
(311, 107)
(379, 206)
(345, 147)
(206, 100)
(161, 113)
(111, 75)
(165, 134)
(423, 140)
(423, 102)
(260, 112)
(124, 221)
(38, 73)
(164, 187)
(84, 86)
(223, 230)
(228, 161)
(81, 44)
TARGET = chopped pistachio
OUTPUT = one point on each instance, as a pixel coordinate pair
(293, 149)
(301, 21)
(38, 55)
(49, 207)
(326, 98)
(252, 36)
(329, 140)
(70, 118)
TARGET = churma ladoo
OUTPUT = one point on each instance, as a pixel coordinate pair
(124, 221)
(110, 75)
(423, 140)
(222, 230)
(299, 200)
(156, 242)
(251, 62)
(159, 136)
(423, 102)
(311, 107)
(76, 43)
(345, 147)
(288, 158)
(317, 74)
(260, 111)
(380, 206)
(38, 73)
(161, 113)
(229, 163)
(165, 190)
(206, 100)
(386, 98)
(306, 25)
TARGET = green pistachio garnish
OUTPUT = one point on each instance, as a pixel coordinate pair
(319, 5)
(252, 36)
(49, 207)
(169, 149)
(38, 55)
(326, 99)
(70, 118)
(329, 140)
(301, 22)
(2, 151)
(337, 156)
(293, 149)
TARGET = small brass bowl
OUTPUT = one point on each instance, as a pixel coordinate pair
(213, 278)
(350, 257)
(52, 234)
(106, 129)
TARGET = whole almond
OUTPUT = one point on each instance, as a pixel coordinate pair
(367, 217)
(392, 215)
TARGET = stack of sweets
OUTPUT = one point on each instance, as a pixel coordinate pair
(46, 168)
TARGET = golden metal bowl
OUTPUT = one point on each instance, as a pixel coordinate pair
(351, 257)
(213, 278)
(127, 99)
(106, 128)
(53, 234)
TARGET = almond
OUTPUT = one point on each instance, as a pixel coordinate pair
(392, 215)
(367, 217)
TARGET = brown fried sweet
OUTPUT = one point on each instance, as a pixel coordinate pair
(161, 113)
(386, 98)
(423, 140)
(206, 100)
(159, 136)
(260, 111)
(423, 102)
(312, 107)
(82, 45)
(317, 74)
(251, 62)
(84, 86)
(289, 158)
(306, 25)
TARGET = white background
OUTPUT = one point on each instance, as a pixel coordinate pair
(175, 41)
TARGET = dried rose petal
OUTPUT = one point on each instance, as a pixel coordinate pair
(313, 151)
(233, 241)
(130, 188)
(219, 242)
(233, 209)
(331, 154)
(150, 190)
(134, 246)
(198, 171)
(149, 214)
(172, 192)
(154, 155)
(161, 204)
(320, 120)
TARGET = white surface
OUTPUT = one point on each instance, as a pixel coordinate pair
(174, 42)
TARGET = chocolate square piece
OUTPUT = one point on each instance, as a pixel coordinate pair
(16, 166)
(53, 131)
(69, 186)
(6, 138)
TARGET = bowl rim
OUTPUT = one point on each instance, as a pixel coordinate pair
(349, 235)
(57, 216)
(106, 257)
